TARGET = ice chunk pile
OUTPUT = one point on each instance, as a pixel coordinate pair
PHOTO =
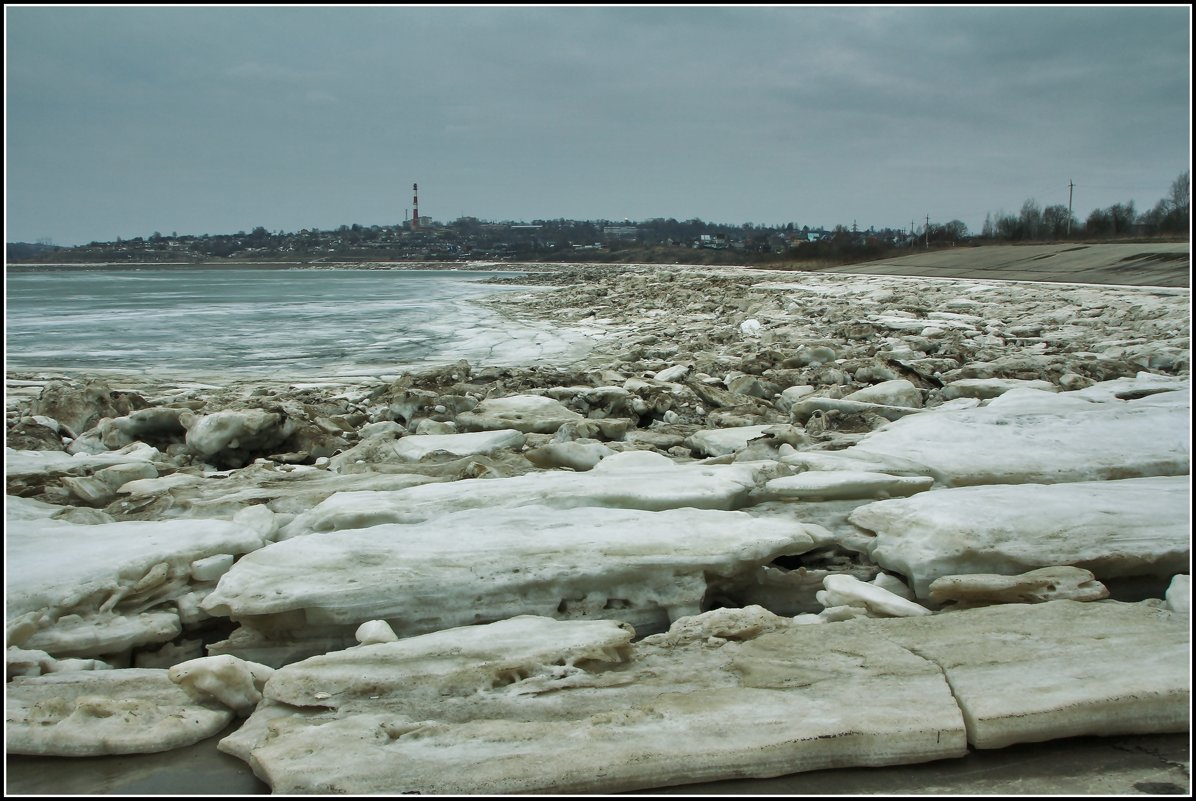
(688, 558)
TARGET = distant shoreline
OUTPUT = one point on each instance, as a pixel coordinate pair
(479, 266)
(1157, 264)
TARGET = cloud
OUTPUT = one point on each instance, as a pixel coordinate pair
(734, 114)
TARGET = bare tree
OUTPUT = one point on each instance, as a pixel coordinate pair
(990, 230)
(1123, 217)
(1098, 223)
(1055, 221)
(1181, 194)
(1031, 219)
(1116, 220)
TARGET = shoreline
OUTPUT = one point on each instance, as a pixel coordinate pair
(1152, 263)
(449, 267)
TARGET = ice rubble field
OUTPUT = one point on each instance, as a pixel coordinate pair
(765, 528)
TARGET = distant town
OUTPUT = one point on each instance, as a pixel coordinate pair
(657, 240)
(470, 239)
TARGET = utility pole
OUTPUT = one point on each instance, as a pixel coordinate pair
(927, 232)
(1070, 187)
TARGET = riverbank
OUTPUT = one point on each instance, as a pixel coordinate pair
(1145, 263)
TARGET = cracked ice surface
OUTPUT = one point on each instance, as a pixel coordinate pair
(1035, 672)
(732, 692)
(468, 720)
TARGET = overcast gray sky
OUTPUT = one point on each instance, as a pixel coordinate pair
(126, 121)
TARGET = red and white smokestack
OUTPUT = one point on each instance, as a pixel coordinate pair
(415, 207)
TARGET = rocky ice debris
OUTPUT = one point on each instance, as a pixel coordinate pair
(845, 590)
(422, 574)
(1063, 668)
(232, 682)
(526, 413)
(992, 387)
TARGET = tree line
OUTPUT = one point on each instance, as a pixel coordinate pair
(1170, 216)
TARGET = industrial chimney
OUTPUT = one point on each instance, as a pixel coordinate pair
(415, 207)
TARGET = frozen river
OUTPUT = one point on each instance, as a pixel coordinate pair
(264, 322)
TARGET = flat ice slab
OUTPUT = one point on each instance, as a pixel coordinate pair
(1031, 436)
(566, 711)
(1135, 527)
(1025, 673)
(88, 590)
(532, 705)
(646, 568)
(99, 712)
(60, 565)
(823, 485)
(628, 480)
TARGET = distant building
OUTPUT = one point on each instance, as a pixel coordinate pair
(621, 231)
(804, 237)
(712, 241)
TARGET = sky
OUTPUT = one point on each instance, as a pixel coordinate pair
(125, 121)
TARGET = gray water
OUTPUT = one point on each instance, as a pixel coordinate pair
(254, 321)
